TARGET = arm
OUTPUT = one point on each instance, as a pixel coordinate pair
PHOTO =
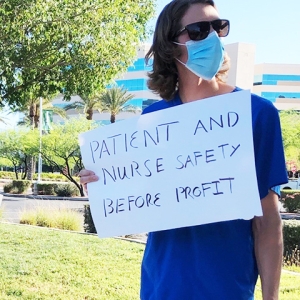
(268, 245)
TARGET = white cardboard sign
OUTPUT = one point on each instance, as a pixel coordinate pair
(187, 165)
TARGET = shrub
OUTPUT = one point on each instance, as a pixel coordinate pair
(89, 225)
(292, 258)
(21, 185)
(291, 240)
(46, 188)
(7, 188)
(291, 234)
(286, 192)
(66, 190)
(7, 175)
(17, 186)
(65, 219)
(291, 201)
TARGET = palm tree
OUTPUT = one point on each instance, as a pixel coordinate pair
(88, 104)
(31, 110)
(114, 101)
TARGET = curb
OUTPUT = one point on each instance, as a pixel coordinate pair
(45, 197)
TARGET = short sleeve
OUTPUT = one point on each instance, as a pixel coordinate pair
(268, 146)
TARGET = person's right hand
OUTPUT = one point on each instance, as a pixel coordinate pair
(87, 176)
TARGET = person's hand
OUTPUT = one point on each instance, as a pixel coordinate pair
(87, 176)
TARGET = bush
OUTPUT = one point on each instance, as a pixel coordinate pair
(291, 234)
(46, 188)
(17, 186)
(291, 240)
(7, 175)
(89, 225)
(65, 219)
(7, 188)
(291, 201)
(66, 190)
(44, 176)
(21, 185)
(284, 193)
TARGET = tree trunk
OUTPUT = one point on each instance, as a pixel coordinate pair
(30, 167)
(89, 114)
(112, 118)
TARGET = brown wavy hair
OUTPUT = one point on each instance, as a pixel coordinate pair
(163, 78)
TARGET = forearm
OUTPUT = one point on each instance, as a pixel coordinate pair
(268, 251)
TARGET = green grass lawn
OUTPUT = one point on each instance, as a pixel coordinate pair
(40, 263)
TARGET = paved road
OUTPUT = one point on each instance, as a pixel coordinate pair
(13, 207)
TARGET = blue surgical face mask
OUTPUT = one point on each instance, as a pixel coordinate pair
(205, 57)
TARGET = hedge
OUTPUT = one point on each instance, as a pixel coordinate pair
(291, 241)
(46, 188)
(17, 186)
(290, 200)
(44, 176)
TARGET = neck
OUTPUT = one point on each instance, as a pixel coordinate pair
(198, 89)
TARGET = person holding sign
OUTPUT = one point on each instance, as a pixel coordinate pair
(220, 260)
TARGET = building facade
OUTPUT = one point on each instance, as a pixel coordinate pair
(278, 83)
(134, 81)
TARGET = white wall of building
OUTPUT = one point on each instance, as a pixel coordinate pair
(242, 59)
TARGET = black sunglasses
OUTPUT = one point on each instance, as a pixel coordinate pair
(200, 30)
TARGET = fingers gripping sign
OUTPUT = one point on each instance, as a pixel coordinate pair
(87, 176)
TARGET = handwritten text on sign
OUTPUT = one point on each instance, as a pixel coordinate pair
(187, 165)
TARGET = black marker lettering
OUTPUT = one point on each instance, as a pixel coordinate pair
(209, 156)
(198, 127)
(132, 139)
(158, 165)
(217, 190)
(146, 133)
(204, 189)
(168, 131)
(114, 141)
(119, 205)
(222, 146)
(230, 122)
(145, 164)
(234, 149)
(182, 165)
(104, 149)
(109, 206)
(228, 179)
(213, 120)
(112, 176)
(94, 150)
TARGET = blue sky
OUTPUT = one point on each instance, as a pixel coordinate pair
(271, 25)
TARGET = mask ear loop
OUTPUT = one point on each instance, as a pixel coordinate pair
(180, 44)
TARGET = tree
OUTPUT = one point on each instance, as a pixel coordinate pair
(17, 147)
(71, 46)
(60, 148)
(3, 119)
(114, 101)
(31, 109)
(290, 127)
(87, 105)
